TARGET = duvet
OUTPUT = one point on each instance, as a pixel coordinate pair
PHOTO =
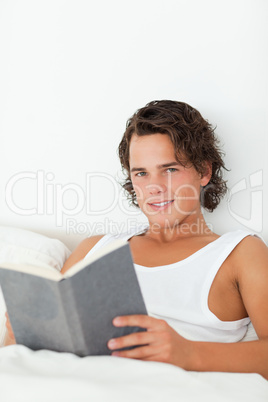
(44, 376)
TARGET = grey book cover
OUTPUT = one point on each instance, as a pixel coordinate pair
(74, 314)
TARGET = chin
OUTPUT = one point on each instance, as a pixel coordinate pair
(163, 223)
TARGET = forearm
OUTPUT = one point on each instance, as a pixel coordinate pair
(163, 344)
(241, 357)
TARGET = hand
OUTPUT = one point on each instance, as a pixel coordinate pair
(159, 343)
(10, 338)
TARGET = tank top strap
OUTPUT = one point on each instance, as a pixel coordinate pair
(225, 246)
(109, 238)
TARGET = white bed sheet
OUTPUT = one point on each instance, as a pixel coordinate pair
(46, 376)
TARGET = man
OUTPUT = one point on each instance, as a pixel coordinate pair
(201, 289)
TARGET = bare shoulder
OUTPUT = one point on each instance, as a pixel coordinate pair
(81, 251)
(250, 257)
(251, 262)
(87, 244)
(251, 250)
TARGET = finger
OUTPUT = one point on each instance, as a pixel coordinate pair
(139, 320)
(7, 319)
(8, 325)
(9, 328)
(11, 334)
(142, 353)
(137, 338)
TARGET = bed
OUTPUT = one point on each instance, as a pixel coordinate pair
(32, 376)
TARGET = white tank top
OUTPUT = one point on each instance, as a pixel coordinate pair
(178, 293)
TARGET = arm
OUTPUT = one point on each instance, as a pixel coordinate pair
(80, 252)
(163, 344)
(250, 262)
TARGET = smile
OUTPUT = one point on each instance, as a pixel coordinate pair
(160, 205)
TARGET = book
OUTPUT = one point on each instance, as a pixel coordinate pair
(73, 312)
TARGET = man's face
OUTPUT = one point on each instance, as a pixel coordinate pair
(167, 192)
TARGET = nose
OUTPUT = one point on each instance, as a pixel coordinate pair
(156, 188)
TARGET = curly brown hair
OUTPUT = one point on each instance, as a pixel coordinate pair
(193, 138)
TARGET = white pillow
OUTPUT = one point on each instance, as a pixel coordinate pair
(25, 247)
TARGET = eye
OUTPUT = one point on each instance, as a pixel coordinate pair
(140, 174)
(172, 170)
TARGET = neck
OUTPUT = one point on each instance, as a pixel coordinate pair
(168, 233)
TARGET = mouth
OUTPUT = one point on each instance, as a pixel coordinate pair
(160, 206)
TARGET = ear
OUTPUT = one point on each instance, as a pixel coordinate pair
(205, 178)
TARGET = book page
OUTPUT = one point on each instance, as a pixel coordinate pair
(94, 257)
(52, 274)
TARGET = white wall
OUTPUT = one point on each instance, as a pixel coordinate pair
(72, 72)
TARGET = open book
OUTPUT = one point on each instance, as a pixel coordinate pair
(73, 312)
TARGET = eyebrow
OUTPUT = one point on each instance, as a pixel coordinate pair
(165, 165)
